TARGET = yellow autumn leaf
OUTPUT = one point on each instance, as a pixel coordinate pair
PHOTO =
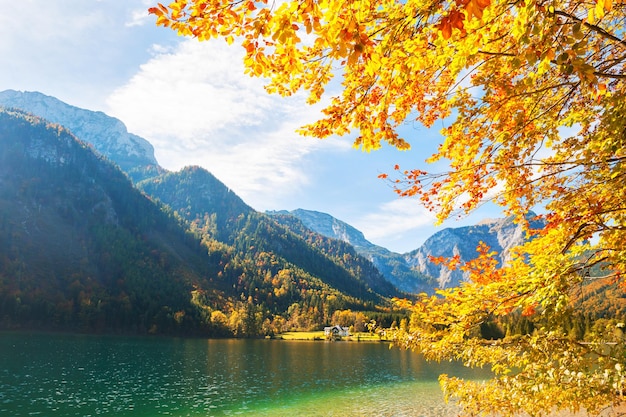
(591, 16)
(599, 9)
(532, 100)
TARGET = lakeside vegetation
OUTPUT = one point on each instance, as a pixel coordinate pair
(321, 336)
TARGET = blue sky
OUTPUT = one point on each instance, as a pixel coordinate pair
(192, 101)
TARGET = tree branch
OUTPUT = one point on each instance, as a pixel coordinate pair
(595, 28)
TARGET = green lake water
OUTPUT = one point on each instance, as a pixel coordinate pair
(79, 375)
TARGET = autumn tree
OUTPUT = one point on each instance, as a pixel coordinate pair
(529, 95)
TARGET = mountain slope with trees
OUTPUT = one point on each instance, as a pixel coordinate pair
(81, 248)
(393, 266)
(216, 213)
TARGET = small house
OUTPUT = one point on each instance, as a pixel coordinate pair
(336, 332)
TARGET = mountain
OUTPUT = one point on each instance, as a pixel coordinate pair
(392, 265)
(500, 235)
(207, 196)
(216, 212)
(413, 272)
(249, 274)
(108, 135)
(82, 249)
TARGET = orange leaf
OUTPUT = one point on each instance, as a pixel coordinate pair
(446, 30)
(155, 11)
(529, 311)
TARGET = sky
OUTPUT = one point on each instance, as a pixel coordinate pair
(196, 106)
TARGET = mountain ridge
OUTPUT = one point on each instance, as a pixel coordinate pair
(108, 135)
(420, 274)
(410, 272)
(259, 277)
(392, 265)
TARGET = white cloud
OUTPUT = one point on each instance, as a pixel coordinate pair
(197, 89)
(43, 21)
(402, 219)
(138, 17)
(196, 106)
(75, 50)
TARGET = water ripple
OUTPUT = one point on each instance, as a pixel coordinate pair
(69, 375)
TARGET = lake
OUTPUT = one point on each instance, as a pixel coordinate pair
(82, 375)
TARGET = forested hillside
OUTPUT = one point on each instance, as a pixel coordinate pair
(287, 268)
(393, 266)
(82, 249)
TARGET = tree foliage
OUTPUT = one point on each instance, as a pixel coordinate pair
(295, 277)
(530, 97)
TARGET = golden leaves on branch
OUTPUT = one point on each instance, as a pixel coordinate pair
(529, 100)
(455, 18)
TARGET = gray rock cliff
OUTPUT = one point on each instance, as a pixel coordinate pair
(108, 135)
(501, 235)
(392, 265)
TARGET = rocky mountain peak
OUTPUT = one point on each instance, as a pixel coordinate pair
(329, 226)
(501, 235)
(108, 135)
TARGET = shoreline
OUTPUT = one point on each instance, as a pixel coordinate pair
(318, 336)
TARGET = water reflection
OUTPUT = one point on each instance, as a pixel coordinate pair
(69, 375)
